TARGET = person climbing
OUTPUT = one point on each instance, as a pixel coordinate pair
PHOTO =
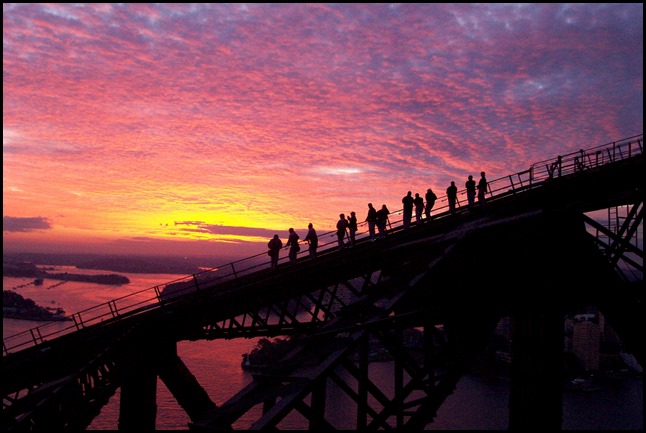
(294, 247)
(274, 245)
(341, 230)
(312, 239)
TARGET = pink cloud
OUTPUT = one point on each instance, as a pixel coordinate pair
(299, 111)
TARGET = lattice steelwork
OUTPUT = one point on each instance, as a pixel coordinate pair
(348, 305)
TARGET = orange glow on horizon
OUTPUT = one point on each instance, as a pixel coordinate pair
(209, 127)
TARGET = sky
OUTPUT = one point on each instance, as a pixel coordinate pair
(203, 129)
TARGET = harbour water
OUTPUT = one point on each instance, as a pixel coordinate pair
(477, 403)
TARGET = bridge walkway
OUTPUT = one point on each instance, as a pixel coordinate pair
(431, 277)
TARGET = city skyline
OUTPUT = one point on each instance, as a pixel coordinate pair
(201, 129)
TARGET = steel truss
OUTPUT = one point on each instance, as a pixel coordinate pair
(619, 245)
(288, 316)
(67, 404)
(332, 364)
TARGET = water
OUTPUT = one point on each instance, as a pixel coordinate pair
(216, 364)
(477, 403)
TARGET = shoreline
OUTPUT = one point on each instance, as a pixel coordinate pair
(18, 315)
(15, 306)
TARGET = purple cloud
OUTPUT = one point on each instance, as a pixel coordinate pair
(215, 229)
(16, 224)
(282, 114)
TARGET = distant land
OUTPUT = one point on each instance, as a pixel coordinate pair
(130, 264)
(29, 270)
(14, 306)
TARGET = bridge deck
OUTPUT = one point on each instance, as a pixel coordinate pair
(525, 251)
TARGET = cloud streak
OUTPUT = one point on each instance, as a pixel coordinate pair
(12, 224)
(120, 117)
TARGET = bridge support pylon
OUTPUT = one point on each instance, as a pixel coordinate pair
(138, 404)
(535, 398)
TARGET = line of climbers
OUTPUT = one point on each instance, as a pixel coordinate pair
(346, 228)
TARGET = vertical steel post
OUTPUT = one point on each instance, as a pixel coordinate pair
(399, 378)
(536, 391)
(138, 404)
(362, 386)
(317, 419)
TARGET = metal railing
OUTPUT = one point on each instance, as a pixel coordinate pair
(163, 294)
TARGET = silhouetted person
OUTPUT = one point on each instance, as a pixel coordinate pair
(312, 239)
(341, 229)
(292, 243)
(452, 196)
(554, 166)
(482, 188)
(419, 207)
(408, 203)
(430, 202)
(470, 184)
(352, 227)
(274, 245)
(371, 219)
(382, 220)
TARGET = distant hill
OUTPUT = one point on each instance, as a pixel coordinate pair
(29, 270)
(141, 265)
(14, 306)
(19, 269)
(136, 264)
(130, 264)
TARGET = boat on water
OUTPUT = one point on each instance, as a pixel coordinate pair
(266, 354)
(38, 282)
(584, 384)
(248, 365)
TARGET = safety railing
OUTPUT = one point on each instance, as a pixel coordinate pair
(163, 294)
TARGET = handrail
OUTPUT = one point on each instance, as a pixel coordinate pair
(154, 297)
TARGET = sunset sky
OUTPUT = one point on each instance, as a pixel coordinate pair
(203, 129)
